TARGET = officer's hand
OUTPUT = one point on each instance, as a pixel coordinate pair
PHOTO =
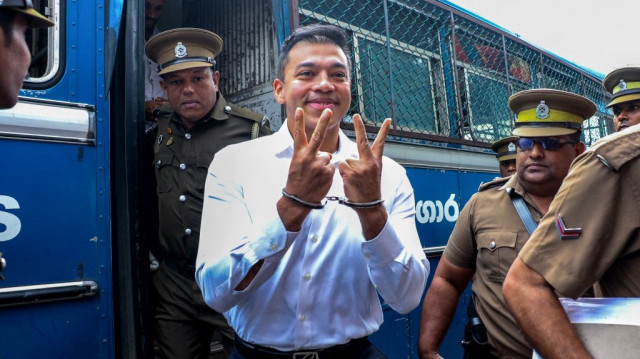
(362, 176)
(310, 174)
(151, 105)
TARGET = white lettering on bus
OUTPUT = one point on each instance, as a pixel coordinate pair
(9, 220)
(429, 211)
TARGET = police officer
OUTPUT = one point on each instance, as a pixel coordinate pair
(196, 124)
(589, 235)
(15, 17)
(624, 86)
(490, 231)
(505, 149)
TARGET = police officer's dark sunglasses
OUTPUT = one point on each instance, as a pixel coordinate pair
(547, 143)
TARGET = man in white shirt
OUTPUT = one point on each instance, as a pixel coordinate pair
(293, 251)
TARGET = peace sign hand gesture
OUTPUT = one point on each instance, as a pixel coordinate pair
(310, 174)
(362, 177)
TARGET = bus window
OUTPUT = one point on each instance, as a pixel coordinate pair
(44, 44)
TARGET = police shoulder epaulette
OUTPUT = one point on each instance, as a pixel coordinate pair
(498, 181)
(619, 148)
(244, 113)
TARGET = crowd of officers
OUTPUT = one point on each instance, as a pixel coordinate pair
(561, 221)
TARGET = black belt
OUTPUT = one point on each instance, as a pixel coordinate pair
(185, 269)
(349, 350)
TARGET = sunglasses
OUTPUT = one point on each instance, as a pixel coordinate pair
(547, 143)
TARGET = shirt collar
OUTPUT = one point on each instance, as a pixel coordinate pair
(284, 141)
(514, 184)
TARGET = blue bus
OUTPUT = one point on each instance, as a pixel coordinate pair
(72, 220)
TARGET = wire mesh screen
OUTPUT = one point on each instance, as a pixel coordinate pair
(440, 75)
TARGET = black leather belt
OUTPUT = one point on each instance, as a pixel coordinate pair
(185, 269)
(349, 350)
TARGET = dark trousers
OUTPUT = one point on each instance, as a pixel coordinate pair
(184, 324)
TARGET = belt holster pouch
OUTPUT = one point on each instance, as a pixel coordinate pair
(475, 341)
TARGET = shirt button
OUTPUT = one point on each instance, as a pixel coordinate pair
(187, 231)
(492, 245)
(274, 246)
(314, 239)
(227, 108)
(187, 136)
(307, 276)
(158, 163)
(183, 166)
(303, 318)
(183, 198)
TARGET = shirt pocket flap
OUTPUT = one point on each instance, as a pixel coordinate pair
(163, 159)
(496, 240)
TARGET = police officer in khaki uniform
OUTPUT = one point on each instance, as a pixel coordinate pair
(505, 149)
(16, 16)
(624, 86)
(591, 234)
(489, 232)
(196, 124)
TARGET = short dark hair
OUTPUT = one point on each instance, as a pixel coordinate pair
(316, 34)
(7, 20)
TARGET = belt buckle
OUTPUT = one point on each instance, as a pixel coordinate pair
(306, 355)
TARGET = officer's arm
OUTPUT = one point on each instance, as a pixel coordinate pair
(440, 305)
(537, 310)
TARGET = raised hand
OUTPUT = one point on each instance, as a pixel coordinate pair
(310, 175)
(362, 176)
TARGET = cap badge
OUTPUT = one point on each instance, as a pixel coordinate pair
(622, 86)
(511, 147)
(567, 233)
(542, 111)
(180, 50)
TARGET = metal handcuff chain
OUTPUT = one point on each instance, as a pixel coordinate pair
(341, 200)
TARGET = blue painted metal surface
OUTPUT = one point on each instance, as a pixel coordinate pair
(62, 218)
(440, 195)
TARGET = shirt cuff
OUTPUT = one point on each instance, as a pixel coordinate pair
(384, 248)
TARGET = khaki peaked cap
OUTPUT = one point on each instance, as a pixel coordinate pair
(505, 148)
(623, 84)
(549, 112)
(183, 48)
(25, 7)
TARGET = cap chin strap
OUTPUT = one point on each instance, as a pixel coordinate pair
(187, 59)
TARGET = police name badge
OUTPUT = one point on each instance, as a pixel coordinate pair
(180, 50)
(542, 111)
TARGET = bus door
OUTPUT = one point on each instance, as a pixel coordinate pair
(56, 296)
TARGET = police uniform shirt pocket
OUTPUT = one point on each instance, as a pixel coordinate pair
(204, 160)
(496, 253)
(162, 162)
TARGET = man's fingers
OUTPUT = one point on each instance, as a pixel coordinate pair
(299, 135)
(325, 155)
(321, 130)
(361, 136)
(378, 145)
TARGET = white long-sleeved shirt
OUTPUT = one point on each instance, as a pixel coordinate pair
(317, 287)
